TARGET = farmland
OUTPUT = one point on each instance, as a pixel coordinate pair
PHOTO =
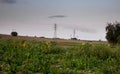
(23, 55)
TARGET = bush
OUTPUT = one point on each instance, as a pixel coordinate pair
(118, 39)
(14, 33)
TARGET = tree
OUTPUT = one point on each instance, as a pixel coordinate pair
(113, 32)
(14, 33)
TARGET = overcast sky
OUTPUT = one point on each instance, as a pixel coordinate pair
(37, 17)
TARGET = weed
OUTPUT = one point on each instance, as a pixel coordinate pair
(30, 56)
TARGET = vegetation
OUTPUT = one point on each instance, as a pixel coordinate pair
(113, 33)
(45, 57)
(14, 33)
(73, 38)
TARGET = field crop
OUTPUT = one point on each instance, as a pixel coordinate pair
(19, 56)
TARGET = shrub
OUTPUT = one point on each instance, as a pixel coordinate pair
(118, 39)
(14, 33)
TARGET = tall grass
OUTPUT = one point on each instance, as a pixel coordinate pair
(30, 56)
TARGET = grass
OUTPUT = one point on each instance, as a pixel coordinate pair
(18, 56)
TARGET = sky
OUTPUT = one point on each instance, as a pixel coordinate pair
(37, 17)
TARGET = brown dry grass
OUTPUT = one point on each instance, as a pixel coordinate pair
(60, 41)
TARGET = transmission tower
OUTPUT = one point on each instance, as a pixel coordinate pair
(55, 30)
(74, 33)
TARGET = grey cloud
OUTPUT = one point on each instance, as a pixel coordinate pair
(57, 16)
(87, 30)
(83, 29)
(8, 1)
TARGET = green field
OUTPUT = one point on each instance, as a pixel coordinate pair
(20, 56)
